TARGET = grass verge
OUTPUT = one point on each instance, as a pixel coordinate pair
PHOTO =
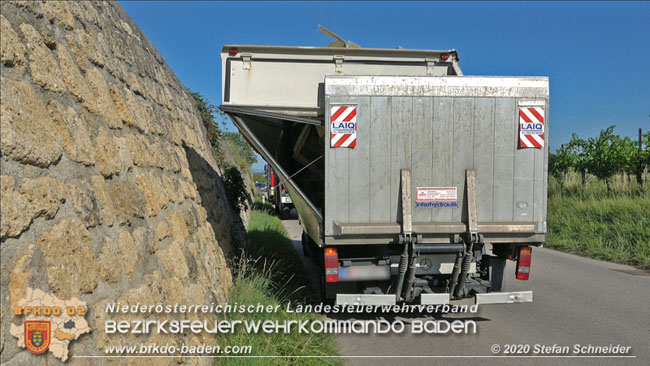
(612, 226)
(269, 272)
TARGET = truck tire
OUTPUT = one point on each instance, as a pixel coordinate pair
(310, 248)
(497, 267)
(306, 247)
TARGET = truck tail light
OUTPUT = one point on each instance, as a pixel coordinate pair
(523, 262)
(331, 265)
(444, 56)
(233, 51)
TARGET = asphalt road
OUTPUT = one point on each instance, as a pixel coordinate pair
(576, 301)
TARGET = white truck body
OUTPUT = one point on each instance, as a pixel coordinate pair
(389, 152)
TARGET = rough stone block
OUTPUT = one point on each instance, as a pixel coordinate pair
(72, 268)
(16, 216)
(42, 63)
(44, 194)
(85, 203)
(26, 128)
(12, 52)
(74, 133)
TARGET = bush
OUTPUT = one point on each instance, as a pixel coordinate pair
(259, 177)
(207, 112)
(235, 188)
(603, 156)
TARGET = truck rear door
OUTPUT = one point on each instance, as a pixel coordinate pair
(438, 127)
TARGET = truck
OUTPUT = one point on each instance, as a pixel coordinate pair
(277, 193)
(413, 182)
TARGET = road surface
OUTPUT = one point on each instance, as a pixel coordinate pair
(576, 301)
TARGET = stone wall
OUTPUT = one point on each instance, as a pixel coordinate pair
(110, 191)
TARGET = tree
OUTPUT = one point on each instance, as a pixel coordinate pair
(560, 162)
(581, 158)
(608, 155)
(628, 154)
(259, 177)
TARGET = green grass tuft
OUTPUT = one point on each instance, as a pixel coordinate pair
(268, 243)
(264, 207)
(269, 272)
(589, 221)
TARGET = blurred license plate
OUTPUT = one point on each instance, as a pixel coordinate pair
(361, 273)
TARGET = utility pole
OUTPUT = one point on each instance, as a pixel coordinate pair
(639, 166)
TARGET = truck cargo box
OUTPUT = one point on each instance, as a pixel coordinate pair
(414, 111)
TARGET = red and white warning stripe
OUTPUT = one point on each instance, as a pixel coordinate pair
(343, 116)
(531, 127)
(343, 140)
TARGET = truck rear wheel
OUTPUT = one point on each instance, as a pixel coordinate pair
(305, 245)
(497, 266)
(309, 248)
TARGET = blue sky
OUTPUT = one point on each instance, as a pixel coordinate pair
(597, 54)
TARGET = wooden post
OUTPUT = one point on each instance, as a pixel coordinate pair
(639, 166)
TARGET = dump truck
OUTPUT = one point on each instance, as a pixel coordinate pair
(413, 182)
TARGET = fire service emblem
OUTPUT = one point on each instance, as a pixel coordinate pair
(37, 335)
